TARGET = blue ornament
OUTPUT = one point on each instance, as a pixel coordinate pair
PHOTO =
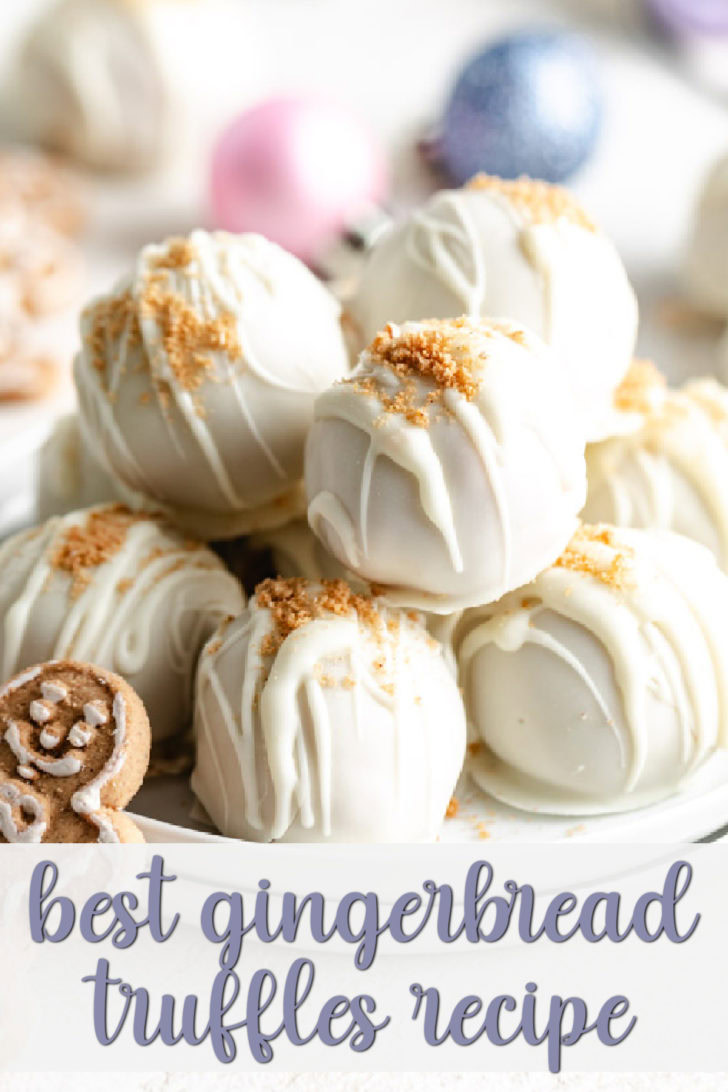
(529, 104)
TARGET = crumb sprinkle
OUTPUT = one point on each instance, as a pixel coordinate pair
(586, 554)
(293, 602)
(642, 388)
(541, 202)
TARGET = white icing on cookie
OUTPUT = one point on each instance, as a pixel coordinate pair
(12, 797)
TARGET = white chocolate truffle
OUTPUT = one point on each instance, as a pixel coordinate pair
(449, 468)
(524, 249)
(69, 478)
(671, 473)
(322, 716)
(117, 589)
(705, 270)
(297, 552)
(197, 379)
(93, 79)
(601, 685)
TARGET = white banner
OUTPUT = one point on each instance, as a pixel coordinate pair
(550, 957)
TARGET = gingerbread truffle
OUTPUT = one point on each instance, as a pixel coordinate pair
(197, 378)
(96, 80)
(69, 477)
(321, 715)
(669, 472)
(122, 590)
(599, 686)
(520, 248)
(449, 468)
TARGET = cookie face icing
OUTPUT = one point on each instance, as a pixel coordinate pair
(197, 378)
(671, 472)
(600, 686)
(123, 590)
(74, 745)
(449, 468)
(322, 716)
(523, 249)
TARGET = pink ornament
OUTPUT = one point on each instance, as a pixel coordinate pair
(298, 170)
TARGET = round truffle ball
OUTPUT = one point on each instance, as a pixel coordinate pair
(320, 716)
(197, 378)
(69, 478)
(299, 170)
(705, 270)
(449, 468)
(671, 473)
(118, 589)
(93, 80)
(530, 103)
(599, 686)
(522, 249)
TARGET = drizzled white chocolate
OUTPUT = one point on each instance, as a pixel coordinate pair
(144, 612)
(602, 684)
(198, 374)
(669, 473)
(446, 493)
(522, 249)
(351, 729)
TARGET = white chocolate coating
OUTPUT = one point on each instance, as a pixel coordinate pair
(341, 736)
(93, 80)
(460, 511)
(213, 436)
(69, 478)
(671, 473)
(594, 696)
(144, 613)
(477, 252)
(705, 271)
(296, 551)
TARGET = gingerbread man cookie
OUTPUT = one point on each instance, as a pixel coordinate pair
(74, 747)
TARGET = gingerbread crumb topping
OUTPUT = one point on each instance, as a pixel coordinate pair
(187, 338)
(179, 254)
(427, 350)
(110, 319)
(585, 554)
(92, 543)
(541, 202)
(452, 808)
(641, 389)
(294, 602)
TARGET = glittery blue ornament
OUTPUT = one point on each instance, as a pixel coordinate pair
(530, 103)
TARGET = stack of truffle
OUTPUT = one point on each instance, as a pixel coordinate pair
(431, 491)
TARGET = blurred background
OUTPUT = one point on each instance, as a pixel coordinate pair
(351, 111)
